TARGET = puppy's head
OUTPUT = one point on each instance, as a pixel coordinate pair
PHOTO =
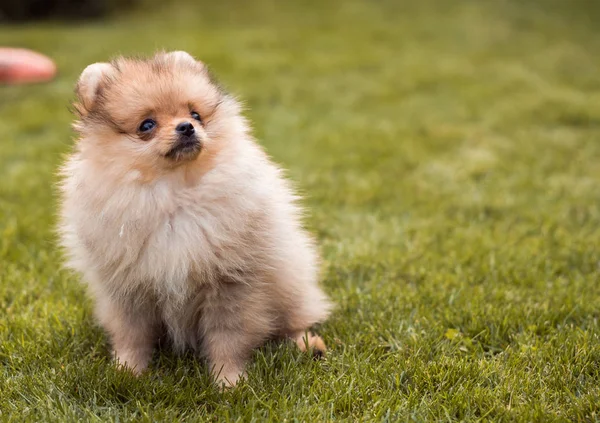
(151, 116)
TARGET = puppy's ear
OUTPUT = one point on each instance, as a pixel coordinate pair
(90, 83)
(183, 57)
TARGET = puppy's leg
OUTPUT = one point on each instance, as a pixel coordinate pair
(235, 321)
(301, 302)
(132, 331)
(308, 307)
(227, 351)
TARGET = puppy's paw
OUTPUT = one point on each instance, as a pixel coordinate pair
(308, 341)
(227, 379)
(133, 361)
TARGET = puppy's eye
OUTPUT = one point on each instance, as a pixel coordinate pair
(147, 125)
(196, 116)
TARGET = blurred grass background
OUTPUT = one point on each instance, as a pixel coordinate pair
(449, 154)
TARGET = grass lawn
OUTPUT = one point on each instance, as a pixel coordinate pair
(449, 152)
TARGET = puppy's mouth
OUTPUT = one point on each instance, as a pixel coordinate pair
(185, 148)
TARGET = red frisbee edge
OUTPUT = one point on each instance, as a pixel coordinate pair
(20, 66)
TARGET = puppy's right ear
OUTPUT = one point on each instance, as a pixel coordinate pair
(90, 84)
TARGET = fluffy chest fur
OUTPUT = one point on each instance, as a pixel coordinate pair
(162, 237)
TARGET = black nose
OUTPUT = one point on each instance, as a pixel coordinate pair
(185, 128)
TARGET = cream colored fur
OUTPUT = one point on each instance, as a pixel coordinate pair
(209, 251)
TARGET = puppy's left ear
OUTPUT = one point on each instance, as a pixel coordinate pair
(90, 83)
(183, 57)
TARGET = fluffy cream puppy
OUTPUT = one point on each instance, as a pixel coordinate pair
(180, 224)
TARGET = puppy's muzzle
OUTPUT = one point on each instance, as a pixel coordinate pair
(186, 143)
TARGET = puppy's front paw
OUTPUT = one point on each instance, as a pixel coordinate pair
(308, 341)
(135, 361)
(228, 378)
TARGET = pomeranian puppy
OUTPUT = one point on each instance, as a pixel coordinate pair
(178, 221)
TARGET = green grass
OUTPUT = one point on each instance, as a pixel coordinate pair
(449, 152)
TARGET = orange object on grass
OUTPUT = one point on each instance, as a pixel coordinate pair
(20, 66)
